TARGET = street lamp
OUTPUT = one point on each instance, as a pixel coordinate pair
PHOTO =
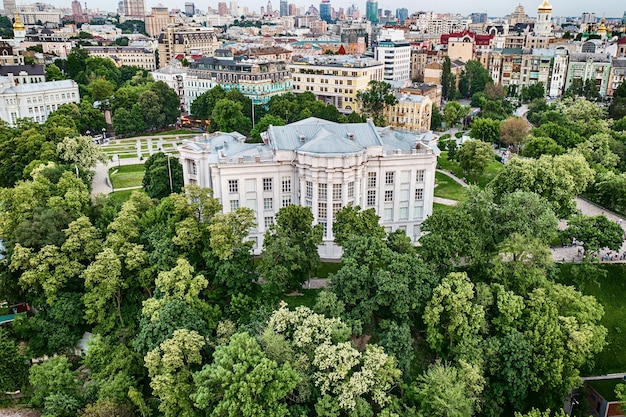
(104, 133)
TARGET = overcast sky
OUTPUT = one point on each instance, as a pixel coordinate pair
(608, 8)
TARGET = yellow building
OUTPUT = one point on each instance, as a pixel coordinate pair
(335, 79)
(410, 113)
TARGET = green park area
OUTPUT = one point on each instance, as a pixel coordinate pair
(446, 187)
(126, 175)
(454, 167)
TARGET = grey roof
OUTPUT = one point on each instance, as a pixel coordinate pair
(319, 136)
(619, 63)
(34, 69)
(228, 146)
(407, 141)
(40, 87)
(582, 57)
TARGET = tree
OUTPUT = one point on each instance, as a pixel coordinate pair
(203, 105)
(448, 81)
(52, 377)
(535, 146)
(13, 365)
(352, 222)
(290, 249)
(375, 100)
(101, 89)
(53, 73)
(243, 381)
(595, 233)
(473, 79)
(513, 131)
(485, 129)
(533, 92)
(171, 367)
(435, 118)
(106, 408)
(474, 156)
(228, 117)
(164, 175)
(80, 150)
(454, 319)
(453, 112)
(263, 124)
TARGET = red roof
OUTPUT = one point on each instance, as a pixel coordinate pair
(482, 40)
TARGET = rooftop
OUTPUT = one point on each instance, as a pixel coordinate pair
(349, 61)
(40, 87)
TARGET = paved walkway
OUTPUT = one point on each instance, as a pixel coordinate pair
(101, 183)
(445, 201)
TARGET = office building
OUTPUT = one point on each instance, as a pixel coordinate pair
(134, 9)
(284, 8)
(158, 19)
(9, 7)
(478, 17)
(325, 11)
(395, 53)
(190, 9)
(321, 165)
(402, 14)
(371, 11)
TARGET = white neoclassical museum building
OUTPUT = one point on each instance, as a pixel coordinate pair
(322, 165)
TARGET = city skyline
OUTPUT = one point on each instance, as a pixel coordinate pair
(560, 7)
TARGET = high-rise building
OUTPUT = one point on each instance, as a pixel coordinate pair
(190, 9)
(371, 11)
(234, 8)
(623, 18)
(270, 10)
(325, 12)
(222, 8)
(395, 52)
(134, 9)
(77, 9)
(284, 8)
(478, 17)
(402, 14)
(157, 20)
(293, 10)
(10, 7)
(589, 17)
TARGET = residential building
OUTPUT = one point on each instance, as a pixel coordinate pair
(24, 74)
(478, 17)
(125, 55)
(186, 40)
(432, 91)
(411, 113)
(601, 397)
(34, 15)
(222, 8)
(158, 19)
(596, 67)
(335, 79)
(174, 76)
(432, 71)
(134, 10)
(617, 75)
(322, 165)
(7, 56)
(257, 79)
(35, 101)
(621, 47)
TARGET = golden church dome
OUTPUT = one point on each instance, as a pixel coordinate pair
(545, 7)
(18, 25)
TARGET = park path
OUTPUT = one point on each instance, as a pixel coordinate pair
(101, 183)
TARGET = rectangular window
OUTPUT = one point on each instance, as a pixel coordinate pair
(389, 177)
(419, 194)
(322, 192)
(322, 212)
(251, 203)
(286, 200)
(250, 184)
(269, 220)
(233, 186)
(405, 176)
(388, 214)
(268, 204)
(388, 195)
(371, 197)
(234, 205)
(371, 180)
(325, 225)
(309, 190)
(268, 184)
(404, 194)
(419, 175)
(336, 191)
(336, 208)
(351, 189)
(403, 213)
(418, 212)
(286, 184)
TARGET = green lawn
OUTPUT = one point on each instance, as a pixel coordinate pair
(490, 172)
(126, 175)
(304, 298)
(611, 293)
(446, 187)
(124, 195)
(327, 268)
(606, 387)
(441, 207)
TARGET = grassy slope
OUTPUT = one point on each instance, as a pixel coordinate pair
(126, 175)
(448, 188)
(490, 172)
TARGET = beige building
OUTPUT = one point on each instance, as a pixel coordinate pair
(617, 75)
(335, 79)
(125, 55)
(432, 72)
(461, 48)
(158, 19)
(432, 91)
(185, 41)
(411, 113)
